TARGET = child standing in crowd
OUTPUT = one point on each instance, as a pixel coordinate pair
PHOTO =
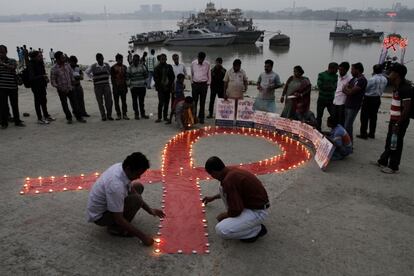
(178, 104)
(77, 87)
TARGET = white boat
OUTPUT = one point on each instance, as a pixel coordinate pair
(199, 37)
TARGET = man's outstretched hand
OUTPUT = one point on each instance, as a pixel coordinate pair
(158, 213)
(147, 241)
(208, 199)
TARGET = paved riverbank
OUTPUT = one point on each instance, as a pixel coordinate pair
(349, 220)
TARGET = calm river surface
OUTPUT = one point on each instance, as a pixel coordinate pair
(310, 43)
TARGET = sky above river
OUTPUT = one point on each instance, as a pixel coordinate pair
(9, 7)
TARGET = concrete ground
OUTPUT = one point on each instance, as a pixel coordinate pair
(349, 220)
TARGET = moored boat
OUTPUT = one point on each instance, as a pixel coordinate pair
(344, 30)
(199, 37)
(226, 22)
(150, 38)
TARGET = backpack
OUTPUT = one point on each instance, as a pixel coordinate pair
(24, 75)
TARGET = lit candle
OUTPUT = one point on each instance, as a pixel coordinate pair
(157, 250)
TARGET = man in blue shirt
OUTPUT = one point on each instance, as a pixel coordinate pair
(340, 138)
(371, 102)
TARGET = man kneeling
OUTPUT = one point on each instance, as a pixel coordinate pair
(114, 200)
(245, 198)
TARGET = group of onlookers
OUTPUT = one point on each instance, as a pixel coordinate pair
(343, 95)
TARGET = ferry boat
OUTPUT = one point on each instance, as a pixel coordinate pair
(226, 22)
(64, 19)
(150, 38)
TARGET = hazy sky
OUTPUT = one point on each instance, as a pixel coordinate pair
(9, 7)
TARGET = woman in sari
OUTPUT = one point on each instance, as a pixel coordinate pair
(297, 90)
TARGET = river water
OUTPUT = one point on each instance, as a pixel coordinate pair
(310, 43)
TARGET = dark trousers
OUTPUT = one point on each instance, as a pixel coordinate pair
(103, 92)
(339, 113)
(138, 96)
(392, 158)
(199, 91)
(369, 113)
(120, 92)
(320, 108)
(64, 96)
(350, 116)
(214, 91)
(40, 102)
(79, 95)
(11, 94)
(132, 203)
(163, 103)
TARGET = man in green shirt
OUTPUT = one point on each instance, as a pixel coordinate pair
(327, 82)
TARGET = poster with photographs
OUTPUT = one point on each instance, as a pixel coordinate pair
(245, 113)
(324, 153)
(225, 112)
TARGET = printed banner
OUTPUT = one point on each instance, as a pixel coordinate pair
(265, 120)
(245, 113)
(246, 117)
(324, 153)
(225, 112)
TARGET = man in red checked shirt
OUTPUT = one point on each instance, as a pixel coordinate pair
(246, 201)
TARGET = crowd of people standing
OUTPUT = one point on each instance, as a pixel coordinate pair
(343, 95)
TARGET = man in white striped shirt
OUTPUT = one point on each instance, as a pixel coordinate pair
(100, 73)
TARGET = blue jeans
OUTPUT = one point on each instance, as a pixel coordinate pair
(150, 77)
(350, 116)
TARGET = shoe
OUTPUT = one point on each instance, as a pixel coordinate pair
(365, 137)
(125, 117)
(4, 126)
(166, 119)
(86, 115)
(201, 121)
(103, 119)
(116, 231)
(136, 117)
(372, 136)
(69, 122)
(118, 117)
(145, 117)
(375, 163)
(168, 122)
(209, 116)
(10, 120)
(263, 231)
(81, 120)
(110, 118)
(20, 124)
(158, 121)
(388, 170)
(50, 119)
(43, 122)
